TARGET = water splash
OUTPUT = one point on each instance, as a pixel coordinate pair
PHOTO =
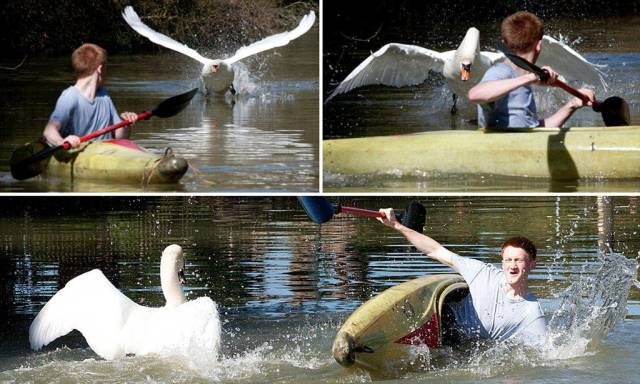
(591, 306)
(244, 82)
(588, 310)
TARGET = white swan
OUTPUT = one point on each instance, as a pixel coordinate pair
(569, 64)
(115, 326)
(218, 74)
(402, 65)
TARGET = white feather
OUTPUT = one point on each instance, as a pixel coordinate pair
(401, 65)
(222, 78)
(279, 40)
(569, 63)
(90, 304)
(115, 326)
(132, 18)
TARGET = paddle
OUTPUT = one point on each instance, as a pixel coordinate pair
(320, 210)
(28, 160)
(615, 110)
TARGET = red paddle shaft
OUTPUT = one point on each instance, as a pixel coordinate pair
(123, 123)
(360, 212)
(573, 91)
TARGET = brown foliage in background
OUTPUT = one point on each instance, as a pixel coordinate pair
(40, 26)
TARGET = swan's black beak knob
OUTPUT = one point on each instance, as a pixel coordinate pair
(183, 280)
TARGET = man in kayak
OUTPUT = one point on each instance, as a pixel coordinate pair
(500, 305)
(504, 94)
(85, 107)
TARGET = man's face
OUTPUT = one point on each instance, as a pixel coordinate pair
(516, 264)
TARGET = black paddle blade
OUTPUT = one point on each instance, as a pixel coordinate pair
(24, 163)
(318, 208)
(522, 63)
(414, 216)
(175, 104)
(615, 111)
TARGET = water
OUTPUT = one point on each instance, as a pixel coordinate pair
(381, 111)
(284, 285)
(266, 141)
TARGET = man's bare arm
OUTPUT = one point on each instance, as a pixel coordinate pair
(51, 133)
(489, 91)
(423, 243)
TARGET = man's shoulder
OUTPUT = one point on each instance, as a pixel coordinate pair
(464, 260)
(102, 92)
(533, 305)
(498, 71)
(69, 93)
(471, 268)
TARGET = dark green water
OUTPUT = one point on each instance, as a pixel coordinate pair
(284, 284)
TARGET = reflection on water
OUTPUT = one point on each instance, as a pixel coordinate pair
(267, 139)
(379, 110)
(284, 284)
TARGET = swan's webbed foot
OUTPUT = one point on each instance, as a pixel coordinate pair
(453, 107)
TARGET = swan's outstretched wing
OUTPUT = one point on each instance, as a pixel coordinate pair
(493, 57)
(90, 304)
(395, 65)
(274, 41)
(569, 63)
(131, 17)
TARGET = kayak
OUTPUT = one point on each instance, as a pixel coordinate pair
(393, 329)
(121, 161)
(560, 154)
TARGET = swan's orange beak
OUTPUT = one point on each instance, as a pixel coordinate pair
(465, 72)
(214, 68)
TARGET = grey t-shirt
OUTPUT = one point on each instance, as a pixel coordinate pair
(80, 116)
(488, 313)
(517, 109)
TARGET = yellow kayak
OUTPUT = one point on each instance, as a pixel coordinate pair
(121, 161)
(390, 330)
(560, 154)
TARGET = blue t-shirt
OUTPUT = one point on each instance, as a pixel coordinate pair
(488, 313)
(517, 109)
(80, 116)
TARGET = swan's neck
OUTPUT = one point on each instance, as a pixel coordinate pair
(171, 287)
(469, 47)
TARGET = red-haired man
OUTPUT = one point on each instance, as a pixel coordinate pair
(504, 94)
(499, 305)
(85, 107)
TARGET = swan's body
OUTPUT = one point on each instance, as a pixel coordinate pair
(115, 326)
(402, 65)
(218, 74)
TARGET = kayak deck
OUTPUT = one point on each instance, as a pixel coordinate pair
(559, 154)
(121, 161)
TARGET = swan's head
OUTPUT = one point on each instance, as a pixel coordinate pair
(214, 67)
(467, 52)
(465, 70)
(172, 275)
